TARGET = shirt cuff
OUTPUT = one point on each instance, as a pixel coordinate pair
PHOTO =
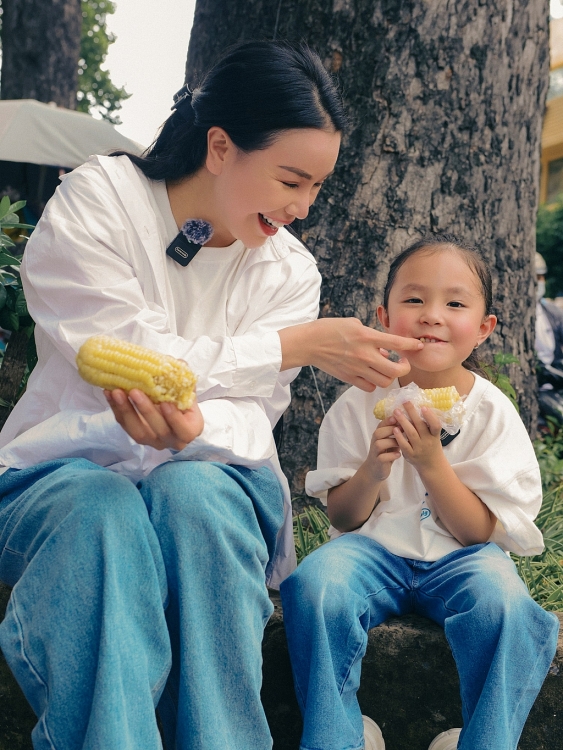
(258, 362)
(319, 482)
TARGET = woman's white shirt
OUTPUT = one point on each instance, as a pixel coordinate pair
(492, 455)
(211, 276)
(96, 263)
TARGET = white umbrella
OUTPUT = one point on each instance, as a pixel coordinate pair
(38, 133)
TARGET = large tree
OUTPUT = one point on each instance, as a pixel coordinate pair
(56, 55)
(40, 50)
(446, 103)
(97, 93)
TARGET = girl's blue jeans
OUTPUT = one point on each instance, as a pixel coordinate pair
(125, 597)
(501, 640)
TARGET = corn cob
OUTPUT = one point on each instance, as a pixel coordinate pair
(111, 363)
(441, 399)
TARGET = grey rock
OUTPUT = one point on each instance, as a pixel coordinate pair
(409, 687)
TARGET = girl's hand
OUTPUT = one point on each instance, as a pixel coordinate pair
(418, 439)
(158, 425)
(384, 450)
(345, 348)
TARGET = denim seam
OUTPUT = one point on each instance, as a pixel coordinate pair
(13, 551)
(298, 692)
(161, 681)
(462, 688)
(383, 588)
(532, 672)
(32, 668)
(360, 645)
(441, 598)
(350, 665)
(356, 747)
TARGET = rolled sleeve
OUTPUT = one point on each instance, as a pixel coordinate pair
(257, 364)
(235, 432)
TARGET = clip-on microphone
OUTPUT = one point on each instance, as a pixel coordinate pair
(193, 234)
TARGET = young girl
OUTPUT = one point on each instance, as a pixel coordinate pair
(139, 539)
(431, 522)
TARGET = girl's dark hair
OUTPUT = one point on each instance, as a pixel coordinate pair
(255, 91)
(475, 261)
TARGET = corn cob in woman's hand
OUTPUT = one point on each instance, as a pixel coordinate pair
(441, 399)
(111, 363)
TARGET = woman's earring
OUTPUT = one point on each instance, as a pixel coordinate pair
(475, 347)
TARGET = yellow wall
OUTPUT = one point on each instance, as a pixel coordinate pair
(552, 140)
(552, 133)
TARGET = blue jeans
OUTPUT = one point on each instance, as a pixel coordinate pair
(501, 640)
(125, 597)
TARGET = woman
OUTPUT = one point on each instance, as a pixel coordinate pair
(139, 539)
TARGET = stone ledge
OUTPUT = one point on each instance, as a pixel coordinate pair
(409, 686)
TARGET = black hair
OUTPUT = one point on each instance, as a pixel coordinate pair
(255, 91)
(475, 261)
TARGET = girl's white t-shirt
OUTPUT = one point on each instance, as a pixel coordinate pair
(492, 455)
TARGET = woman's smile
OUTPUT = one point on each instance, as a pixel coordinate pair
(270, 226)
(258, 193)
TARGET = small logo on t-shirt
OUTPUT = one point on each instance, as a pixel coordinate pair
(424, 513)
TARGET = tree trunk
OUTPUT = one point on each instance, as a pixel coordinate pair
(446, 103)
(40, 50)
(12, 372)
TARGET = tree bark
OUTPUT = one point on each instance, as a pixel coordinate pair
(12, 372)
(446, 102)
(40, 50)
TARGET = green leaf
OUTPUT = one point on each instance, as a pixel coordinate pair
(28, 330)
(21, 304)
(9, 260)
(9, 320)
(10, 218)
(31, 349)
(17, 225)
(17, 206)
(5, 241)
(12, 296)
(4, 206)
(505, 359)
(3, 295)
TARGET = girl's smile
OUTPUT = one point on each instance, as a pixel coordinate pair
(437, 298)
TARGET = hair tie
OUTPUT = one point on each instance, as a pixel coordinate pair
(183, 103)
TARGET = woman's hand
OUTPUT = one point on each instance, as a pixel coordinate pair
(347, 349)
(158, 425)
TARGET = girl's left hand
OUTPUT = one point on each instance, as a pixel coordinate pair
(418, 439)
(159, 425)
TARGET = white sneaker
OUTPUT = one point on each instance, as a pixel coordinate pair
(373, 738)
(446, 740)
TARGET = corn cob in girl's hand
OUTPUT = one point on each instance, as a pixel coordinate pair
(445, 402)
(111, 363)
(441, 399)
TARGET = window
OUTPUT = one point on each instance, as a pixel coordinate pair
(554, 179)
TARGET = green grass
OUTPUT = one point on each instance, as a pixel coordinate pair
(310, 530)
